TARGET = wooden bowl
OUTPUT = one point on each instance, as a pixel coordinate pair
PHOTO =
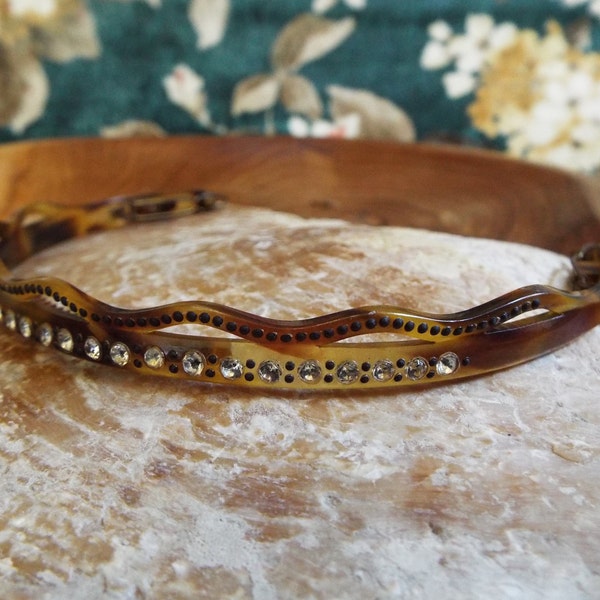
(442, 188)
(122, 486)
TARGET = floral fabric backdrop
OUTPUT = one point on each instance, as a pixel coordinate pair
(520, 76)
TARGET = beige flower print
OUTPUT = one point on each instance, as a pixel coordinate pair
(543, 95)
(538, 93)
(305, 39)
(31, 30)
(209, 19)
(354, 112)
(322, 6)
(152, 3)
(357, 113)
(132, 128)
(468, 52)
(593, 6)
(347, 127)
(187, 89)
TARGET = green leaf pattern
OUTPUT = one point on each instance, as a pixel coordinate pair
(377, 69)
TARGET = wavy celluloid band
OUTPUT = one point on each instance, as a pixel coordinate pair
(311, 353)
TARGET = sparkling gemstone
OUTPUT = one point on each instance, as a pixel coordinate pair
(119, 354)
(10, 319)
(417, 368)
(310, 371)
(45, 335)
(447, 364)
(270, 371)
(154, 357)
(92, 348)
(231, 368)
(383, 370)
(193, 362)
(25, 327)
(348, 371)
(64, 339)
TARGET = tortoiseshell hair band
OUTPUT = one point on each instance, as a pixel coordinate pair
(310, 353)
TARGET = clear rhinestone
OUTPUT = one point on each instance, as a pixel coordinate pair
(348, 371)
(45, 335)
(231, 368)
(310, 371)
(64, 339)
(119, 354)
(417, 368)
(447, 364)
(154, 357)
(383, 370)
(193, 362)
(270, 371)
(25, 327)
(10, 320)
(92, 348)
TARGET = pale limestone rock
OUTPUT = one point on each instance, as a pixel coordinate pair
(117, 486)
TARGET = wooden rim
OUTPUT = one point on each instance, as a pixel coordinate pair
(462, 191)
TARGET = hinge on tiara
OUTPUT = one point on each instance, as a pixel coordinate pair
(160, 207)
(586, 264)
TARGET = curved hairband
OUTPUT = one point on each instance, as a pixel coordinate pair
(261, 352)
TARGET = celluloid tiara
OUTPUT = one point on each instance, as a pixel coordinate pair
(310, 353)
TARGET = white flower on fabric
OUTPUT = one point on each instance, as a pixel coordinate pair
(435, 55)
(185, 88)
(356, 4)
(546, 121)
(458, 84)
(346, 127)
(33, 103)
(439, 31)
(468, 52)
(542, 96)
(209, 20)
(479, 27)
(322, 6)
(592, 5)
(42, 8)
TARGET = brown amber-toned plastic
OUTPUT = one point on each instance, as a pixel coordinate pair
(511, 329)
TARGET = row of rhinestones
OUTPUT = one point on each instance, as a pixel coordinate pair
(194, 362)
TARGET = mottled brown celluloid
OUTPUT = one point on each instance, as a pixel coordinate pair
(312, 353)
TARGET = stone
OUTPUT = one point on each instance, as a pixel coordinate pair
(417, 368)
(348, 371)
(119, 354)
(92, 348)
(64, 340)
(384, 370)
(193, 362)
(448, 363)
(310, 371)
(10, 319)
(25, 327)
(270, 371)
(154, 357)
(116, 484)
(231, 368)
(45, 334)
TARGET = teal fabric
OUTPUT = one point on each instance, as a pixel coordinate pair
(141, 44)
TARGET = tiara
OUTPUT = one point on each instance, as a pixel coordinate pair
(314, 353)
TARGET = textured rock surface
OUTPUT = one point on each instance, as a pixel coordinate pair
(117, 486)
